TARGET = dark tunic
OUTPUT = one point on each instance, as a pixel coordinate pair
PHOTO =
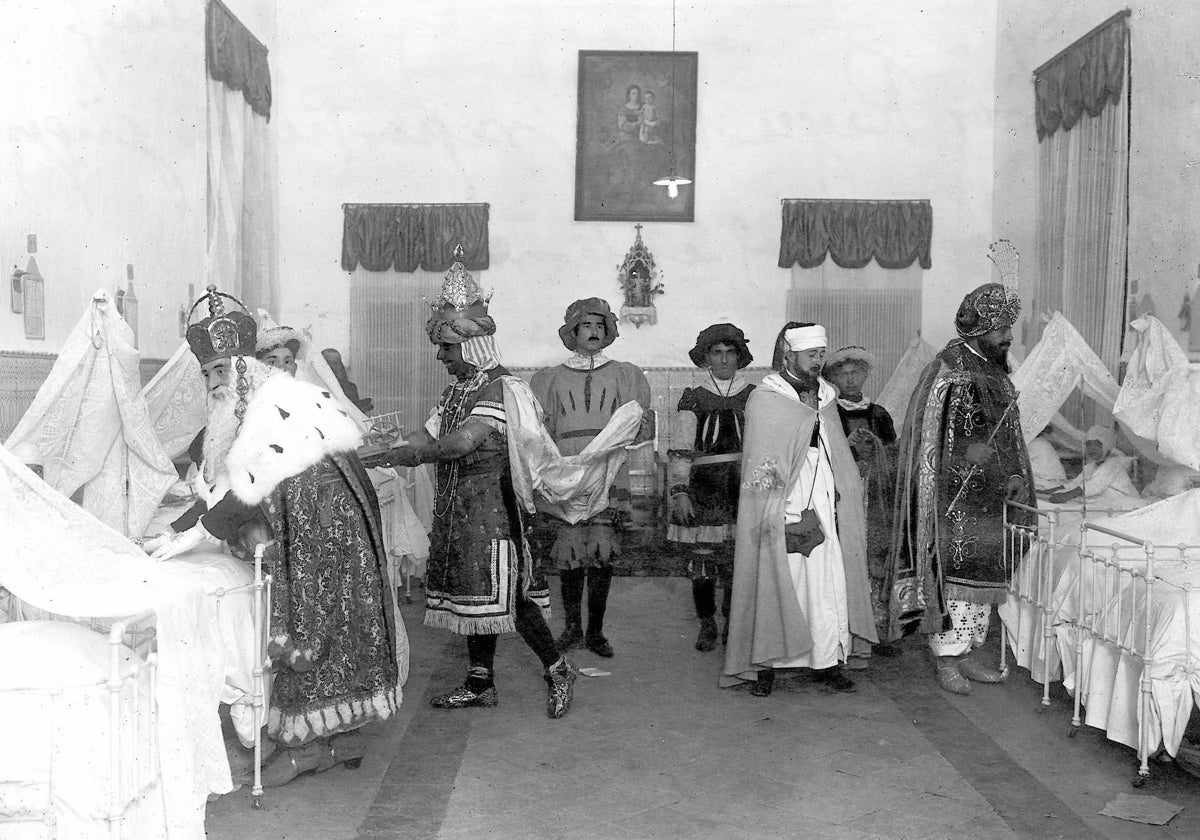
(877, 469)
(720, 423)
(478, 556)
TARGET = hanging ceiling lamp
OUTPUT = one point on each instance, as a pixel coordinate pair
(672, 182)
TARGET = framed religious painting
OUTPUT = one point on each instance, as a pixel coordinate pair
(636, 125)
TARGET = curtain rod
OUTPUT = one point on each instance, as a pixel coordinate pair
(1090, 33)
(862, 200)
(346, 204)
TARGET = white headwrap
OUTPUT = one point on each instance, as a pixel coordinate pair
(805, 338)
(481, 351)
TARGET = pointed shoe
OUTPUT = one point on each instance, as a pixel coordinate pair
(950, 678)
(975, 670)
(465, 698)
(560, 689)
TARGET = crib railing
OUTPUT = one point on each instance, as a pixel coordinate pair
(260, 588)
(125, 723)
(1114, 579)
(1029, 547)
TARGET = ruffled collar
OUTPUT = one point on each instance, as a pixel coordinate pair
(581, 361)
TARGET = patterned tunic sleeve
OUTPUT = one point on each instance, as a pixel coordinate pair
(489, 406)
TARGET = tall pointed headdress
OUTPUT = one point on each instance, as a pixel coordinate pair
(460, 310)
(993, 306)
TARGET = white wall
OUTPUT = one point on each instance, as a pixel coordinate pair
(1164, 166)
(102, 155)
(446, 101)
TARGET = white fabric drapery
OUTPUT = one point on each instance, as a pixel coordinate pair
(1082, 224)
(895, 395)
(242, 199)
(872, 307)
(89, 425)
(1160, 397)
(61, 560)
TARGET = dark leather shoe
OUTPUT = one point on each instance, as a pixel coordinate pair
(600, 646)
(570, 638)
(764, 684)
(833, 678)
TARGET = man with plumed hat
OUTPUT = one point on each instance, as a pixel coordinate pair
(800, 593)
(961, 457)
(481, 579)
(579, 398)
(704, 470)
(279, 463)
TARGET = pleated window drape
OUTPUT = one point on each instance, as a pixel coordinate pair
(1082, 111)
(396, 255)
(407, 237)
(873, 307)
(894, 234)
(242, 196)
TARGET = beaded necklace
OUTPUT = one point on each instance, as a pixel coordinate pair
(454, 403)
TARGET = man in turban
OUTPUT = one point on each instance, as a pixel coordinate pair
(278, 462)
(481, 580)
(800, 592)
(705, 470)
(579, 398)
(961, 457)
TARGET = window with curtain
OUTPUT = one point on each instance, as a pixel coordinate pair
(857, 269)
(396, 255)
(1082, 115)
(241, 256)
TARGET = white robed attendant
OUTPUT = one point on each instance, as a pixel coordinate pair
(820, 578)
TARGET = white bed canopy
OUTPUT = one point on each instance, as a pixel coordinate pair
(89, 425)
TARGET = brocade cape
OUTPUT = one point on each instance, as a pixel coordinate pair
(948, 540)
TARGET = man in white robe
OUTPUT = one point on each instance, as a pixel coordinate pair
(800, 592)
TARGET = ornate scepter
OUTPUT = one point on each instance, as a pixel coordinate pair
(975, 467)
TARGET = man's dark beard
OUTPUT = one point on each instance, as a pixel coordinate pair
(802, 380)
(995, 353)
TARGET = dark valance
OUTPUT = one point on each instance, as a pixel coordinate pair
(237, 58)
(405, 237)
(893, 233)
(1085, 76)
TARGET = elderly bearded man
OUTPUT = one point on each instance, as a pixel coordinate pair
(800, 593)
(279, 462)
(961, 456)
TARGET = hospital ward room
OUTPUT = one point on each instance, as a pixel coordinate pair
(600, 421)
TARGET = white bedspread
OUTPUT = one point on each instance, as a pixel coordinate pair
(1108, 680)
(59, 558)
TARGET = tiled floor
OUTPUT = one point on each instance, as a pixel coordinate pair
(656, 750)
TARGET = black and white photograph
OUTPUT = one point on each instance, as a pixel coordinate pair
(638, 420)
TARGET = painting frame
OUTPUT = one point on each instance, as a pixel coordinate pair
(622, 146)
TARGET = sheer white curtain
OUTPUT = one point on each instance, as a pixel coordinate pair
(242, 199)
(1083, 224)
(391, 359)
(873, 307)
